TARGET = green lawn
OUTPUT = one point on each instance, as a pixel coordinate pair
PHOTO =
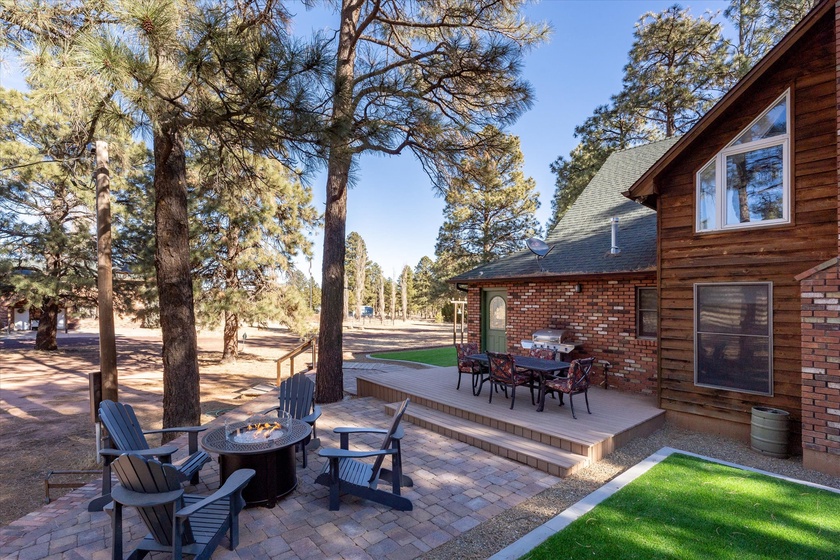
(444, 356)
(686, 508)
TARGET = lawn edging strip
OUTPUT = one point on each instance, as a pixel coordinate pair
(536, 537)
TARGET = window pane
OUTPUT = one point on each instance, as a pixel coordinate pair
(706, 197)
(754, 186)
(647, 324)
(772, 123)
(734, 308)
(497, 313)
(736, 362)
(647, 298)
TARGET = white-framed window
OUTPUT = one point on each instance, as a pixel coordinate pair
(733, 336)
(747, 184)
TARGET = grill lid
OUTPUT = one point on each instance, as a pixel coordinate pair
(551, 336)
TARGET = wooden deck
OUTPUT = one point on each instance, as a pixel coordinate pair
(551, 441)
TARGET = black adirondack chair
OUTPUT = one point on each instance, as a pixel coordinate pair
(297, 397)
(178, 523)
(344, 473)
(126, 435)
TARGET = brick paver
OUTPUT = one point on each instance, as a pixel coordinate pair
(456, 487)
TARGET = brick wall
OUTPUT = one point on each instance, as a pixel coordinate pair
(821, 363)
(602, 317)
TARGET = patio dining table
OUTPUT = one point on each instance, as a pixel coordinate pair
(543, 368)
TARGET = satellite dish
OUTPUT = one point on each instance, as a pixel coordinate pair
(540, 248)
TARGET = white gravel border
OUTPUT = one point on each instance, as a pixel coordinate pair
(540, 534)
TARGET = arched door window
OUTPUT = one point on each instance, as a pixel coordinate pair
(497, 313)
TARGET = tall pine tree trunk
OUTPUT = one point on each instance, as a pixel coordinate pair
(47, 325)
(181, 391)
(329, 383)
(104, 277)
(230, 343)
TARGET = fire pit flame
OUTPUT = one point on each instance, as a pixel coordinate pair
(256, 430)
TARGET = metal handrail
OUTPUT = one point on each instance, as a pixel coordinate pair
(292, 354)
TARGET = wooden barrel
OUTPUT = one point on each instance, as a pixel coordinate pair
(769, 434)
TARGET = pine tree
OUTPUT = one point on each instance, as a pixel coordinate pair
(406, 290)
(677, 69)
(489, 210)
(227, 70)
(610, 128)
(251, 214)
(759, 25)
(356, 264)
(424, 288)
(424, 77)
(46, 207)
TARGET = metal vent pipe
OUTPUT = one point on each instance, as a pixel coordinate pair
(614, 250)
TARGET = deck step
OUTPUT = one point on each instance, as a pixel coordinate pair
(552, 460)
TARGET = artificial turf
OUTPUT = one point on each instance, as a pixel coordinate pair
(444, 356)
(687, 508)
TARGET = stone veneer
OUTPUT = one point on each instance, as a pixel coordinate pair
(602, 317)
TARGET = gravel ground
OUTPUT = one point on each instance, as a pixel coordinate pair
(490, 537)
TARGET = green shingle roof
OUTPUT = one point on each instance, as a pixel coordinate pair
(582, 238)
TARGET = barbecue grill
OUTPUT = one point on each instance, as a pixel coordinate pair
(559, 340)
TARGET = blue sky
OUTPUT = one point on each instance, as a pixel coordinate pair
(393, 206)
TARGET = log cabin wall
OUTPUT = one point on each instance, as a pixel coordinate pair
(773, 253)
(602, 318)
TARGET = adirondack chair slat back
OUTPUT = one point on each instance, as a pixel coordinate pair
(122, 425)
(152, 477)
(387, 442)
(297, 395)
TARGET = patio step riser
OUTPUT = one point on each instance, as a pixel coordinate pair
(552, 460)
(388, 394)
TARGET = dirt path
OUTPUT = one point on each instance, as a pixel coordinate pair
(45, 408)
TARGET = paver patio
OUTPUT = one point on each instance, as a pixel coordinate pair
(457, 486)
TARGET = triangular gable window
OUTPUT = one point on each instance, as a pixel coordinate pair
(747, 183)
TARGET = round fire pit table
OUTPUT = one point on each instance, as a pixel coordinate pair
(272, 459)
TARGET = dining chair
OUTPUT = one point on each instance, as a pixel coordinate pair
(577, 381)
(503, 373)
(468, 366)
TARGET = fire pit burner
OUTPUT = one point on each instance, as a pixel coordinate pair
(258, 429)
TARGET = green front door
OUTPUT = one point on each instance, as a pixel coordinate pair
(494, 315)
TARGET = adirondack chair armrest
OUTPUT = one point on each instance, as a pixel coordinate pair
(191, 430)
(312, 417)
(235, 483)
(398, 433)
(331, 453)
(164, 451)
(141, 499)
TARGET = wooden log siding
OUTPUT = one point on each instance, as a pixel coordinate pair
(602, 317)
(775, 253)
